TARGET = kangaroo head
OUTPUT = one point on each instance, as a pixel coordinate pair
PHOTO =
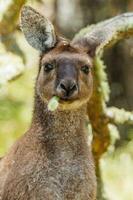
(65, 66)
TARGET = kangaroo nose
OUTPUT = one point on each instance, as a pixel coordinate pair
(67, 88)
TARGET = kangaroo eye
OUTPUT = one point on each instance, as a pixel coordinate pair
(85, 69)
(48, 67)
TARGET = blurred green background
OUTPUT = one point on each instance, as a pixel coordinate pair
(17, 96)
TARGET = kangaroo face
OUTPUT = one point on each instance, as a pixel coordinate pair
(65, 67)
(65, 72)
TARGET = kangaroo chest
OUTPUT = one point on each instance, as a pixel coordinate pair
(51, 179)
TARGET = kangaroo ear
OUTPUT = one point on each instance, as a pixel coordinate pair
(37, 29)
(89, 44)
(96, 38)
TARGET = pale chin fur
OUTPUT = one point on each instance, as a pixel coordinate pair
(72, 106)
(68, 105)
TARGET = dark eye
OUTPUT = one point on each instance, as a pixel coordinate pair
(48, 67)
(85, 69)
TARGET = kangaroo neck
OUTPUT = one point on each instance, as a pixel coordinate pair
(63, 123)
(61, 134)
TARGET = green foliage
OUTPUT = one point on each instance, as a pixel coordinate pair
(117, 173)
(101, 74)
(53, 103)
(16, 102)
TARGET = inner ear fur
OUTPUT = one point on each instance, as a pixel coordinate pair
(38, 30)
(89, 45)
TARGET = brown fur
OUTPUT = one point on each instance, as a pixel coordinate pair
(53, 160)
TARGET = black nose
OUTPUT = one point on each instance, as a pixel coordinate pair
(67, 88)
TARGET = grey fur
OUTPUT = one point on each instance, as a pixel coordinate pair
(37, 29)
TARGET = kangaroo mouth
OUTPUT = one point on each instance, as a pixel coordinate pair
(65, 103)
(70, 104)
(67, 100)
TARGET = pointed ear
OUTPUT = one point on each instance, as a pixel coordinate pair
(37, 29)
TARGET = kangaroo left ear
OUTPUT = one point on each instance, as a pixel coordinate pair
(37, 29)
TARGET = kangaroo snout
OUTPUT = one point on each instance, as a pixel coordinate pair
(67, 88)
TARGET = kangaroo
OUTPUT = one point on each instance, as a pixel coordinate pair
(53, 159)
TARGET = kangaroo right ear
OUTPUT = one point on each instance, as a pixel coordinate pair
(37, 29)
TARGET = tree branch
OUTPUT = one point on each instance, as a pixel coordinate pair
(97, 110)
(11, 66)
(9, 17)
(103, 34)
(119, 116)
(11, 56)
